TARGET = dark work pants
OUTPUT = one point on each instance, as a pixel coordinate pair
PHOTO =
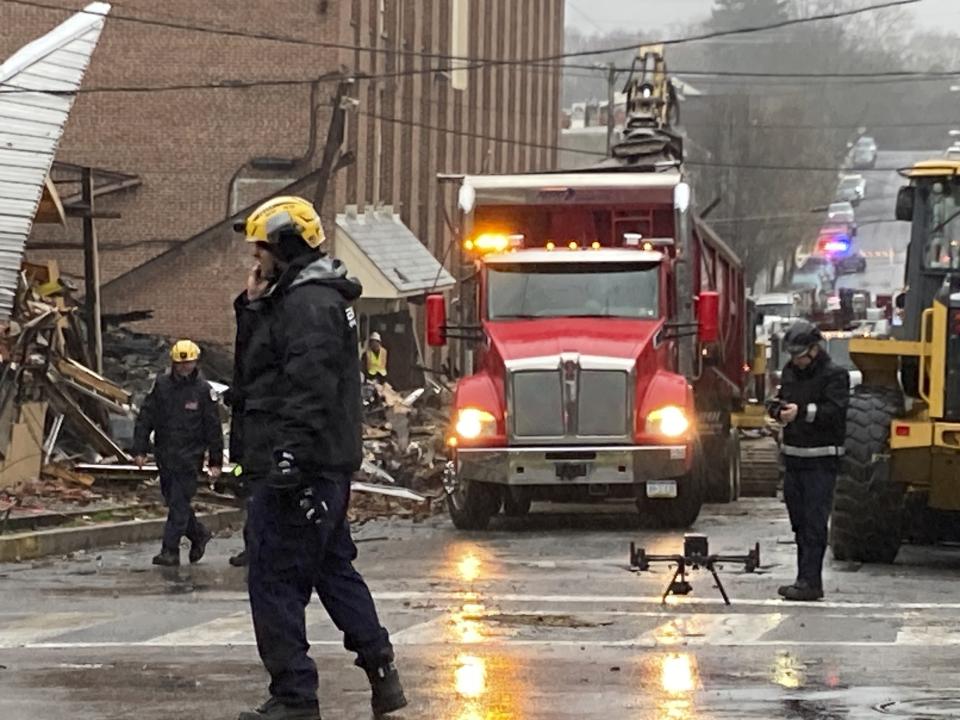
(290, 558)
(178, 489)
(808, 490)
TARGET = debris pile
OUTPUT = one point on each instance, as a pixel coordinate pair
(52, 404)
(64, 427)
(404, 436)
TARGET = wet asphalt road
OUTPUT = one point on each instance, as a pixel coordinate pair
(538, 618)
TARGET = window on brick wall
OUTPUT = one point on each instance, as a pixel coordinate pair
(382, 29)
(459, 43)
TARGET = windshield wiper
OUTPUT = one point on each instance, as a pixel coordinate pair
(946, 222)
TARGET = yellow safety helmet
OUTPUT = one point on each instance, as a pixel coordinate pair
(185, 351)
(285, 213)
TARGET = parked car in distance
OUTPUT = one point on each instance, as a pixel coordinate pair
(850, 263)
(953, 152)
(841, 212)
(864, 153)
(852, 189)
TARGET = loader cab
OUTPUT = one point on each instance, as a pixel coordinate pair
(931, 203)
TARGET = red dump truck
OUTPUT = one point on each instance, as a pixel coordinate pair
(602, 338)
(583, 378)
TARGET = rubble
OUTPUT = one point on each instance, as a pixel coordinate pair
(404, 437)
(64, 427)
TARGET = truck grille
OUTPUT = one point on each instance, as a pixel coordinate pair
(570, 403)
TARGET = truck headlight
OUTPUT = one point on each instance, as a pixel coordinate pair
(473, 423)
(669, 421)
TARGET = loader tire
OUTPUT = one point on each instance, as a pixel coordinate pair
(473, 504)
(868, 509)
(681, 511)
(723, 468)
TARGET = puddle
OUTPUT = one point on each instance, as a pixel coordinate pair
(935, 707)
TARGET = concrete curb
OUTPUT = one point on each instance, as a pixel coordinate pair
(60, 541)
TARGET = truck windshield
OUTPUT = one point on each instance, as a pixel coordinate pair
(943, 245)
(525, 290)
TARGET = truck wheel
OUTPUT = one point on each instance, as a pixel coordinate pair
(867, 520)
(723, 475)
(472, 505)
(516, 502)
(681, 511)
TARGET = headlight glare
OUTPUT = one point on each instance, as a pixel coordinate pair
(473, 423)
(669, 421)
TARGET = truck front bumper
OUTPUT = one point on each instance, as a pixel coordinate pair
(565, 465)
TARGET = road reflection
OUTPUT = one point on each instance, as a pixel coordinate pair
(788, 672)
(486, 684)
(678, 681)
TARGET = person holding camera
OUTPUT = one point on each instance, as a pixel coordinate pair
(811, 405)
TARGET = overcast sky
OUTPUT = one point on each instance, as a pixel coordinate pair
(592, 16)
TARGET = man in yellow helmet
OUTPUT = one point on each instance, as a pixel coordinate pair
(296, 398)
(181, 412)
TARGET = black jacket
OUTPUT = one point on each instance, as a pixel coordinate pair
(297, 372)
(182, 413)
(821, 392)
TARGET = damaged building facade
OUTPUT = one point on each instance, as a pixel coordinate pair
(186, 123)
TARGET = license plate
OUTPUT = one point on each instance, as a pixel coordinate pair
(571, 471)
(662, 489)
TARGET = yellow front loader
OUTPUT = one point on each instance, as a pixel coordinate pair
(900, 475)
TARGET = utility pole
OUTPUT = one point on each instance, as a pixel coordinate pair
(330, 162)
(611, 98)
(91, 273)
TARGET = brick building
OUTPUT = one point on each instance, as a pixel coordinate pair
(201, 153)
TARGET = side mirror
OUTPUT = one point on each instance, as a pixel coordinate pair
(436, 320)
(905, 199)
(708, 316)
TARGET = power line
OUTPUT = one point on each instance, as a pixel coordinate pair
(599, 154)
(478, 136)
(227, 84)
(476, 62)
(836, 15)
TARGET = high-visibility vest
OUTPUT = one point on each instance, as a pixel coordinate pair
(377, 364)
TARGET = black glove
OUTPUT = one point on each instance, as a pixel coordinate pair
(235, 483)
(313, 507)
(774, 407)
(285, 474)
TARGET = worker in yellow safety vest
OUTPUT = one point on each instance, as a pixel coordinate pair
(375, 359)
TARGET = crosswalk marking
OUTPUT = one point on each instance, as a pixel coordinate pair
(492, 627)
(233, 629)
(36, 626)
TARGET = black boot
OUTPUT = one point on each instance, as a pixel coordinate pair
(803, 592)
(167, 558)
(784, 589)
(387, 692)
(200, 546)
(273, 709)
(239, 560)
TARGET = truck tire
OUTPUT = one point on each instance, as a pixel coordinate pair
(472, 505)
(681, 511)
(723, 471)
(867, 520)
(516, 502)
